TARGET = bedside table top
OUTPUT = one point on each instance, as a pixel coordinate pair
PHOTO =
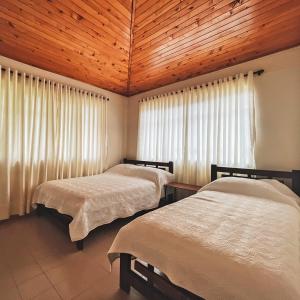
(184, 186)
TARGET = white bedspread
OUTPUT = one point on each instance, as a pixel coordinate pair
(235, 239)
(96, 200)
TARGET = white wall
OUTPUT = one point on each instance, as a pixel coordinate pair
(117, 107)
(277, 108)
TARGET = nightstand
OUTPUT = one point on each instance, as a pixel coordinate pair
(191, 189)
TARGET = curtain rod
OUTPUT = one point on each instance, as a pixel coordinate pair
(55, 83)
(256, 73)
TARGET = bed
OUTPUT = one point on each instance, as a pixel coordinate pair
(237, 238)
(85, 203)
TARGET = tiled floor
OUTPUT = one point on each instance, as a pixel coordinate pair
(37, 261)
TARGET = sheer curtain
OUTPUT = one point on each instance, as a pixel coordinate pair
(198, 126)
(47, 131)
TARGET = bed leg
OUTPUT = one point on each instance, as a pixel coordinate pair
(79, 245)
(151, 269)
(39, 210)
(125, 266)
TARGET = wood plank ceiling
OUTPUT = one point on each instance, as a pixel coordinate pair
(83, 39)
(130, 46)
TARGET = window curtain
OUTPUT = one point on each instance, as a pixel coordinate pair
(47, 131)
(199, 126)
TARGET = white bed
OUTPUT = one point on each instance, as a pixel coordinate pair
(96, 200)
(235, 239)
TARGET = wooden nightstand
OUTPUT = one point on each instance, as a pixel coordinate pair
(192, 189)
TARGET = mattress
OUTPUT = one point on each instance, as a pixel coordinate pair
(234, 239)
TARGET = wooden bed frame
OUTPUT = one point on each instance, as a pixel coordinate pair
(156, 286)
(65, 220)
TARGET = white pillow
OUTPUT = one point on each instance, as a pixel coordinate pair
(122, 169)
(158, 176)
(264, 188)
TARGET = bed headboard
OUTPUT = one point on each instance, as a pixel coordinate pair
(168, 166)
(292, 176)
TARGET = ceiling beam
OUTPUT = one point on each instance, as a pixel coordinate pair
(133, 6)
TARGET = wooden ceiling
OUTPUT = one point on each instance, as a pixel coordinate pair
(87, 40)
(130, 46)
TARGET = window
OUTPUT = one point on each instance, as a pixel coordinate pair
(200, 126)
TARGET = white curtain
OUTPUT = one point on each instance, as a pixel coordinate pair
(47, 131)
(198, 126)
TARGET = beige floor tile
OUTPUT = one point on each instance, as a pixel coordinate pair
(46, 265)
(3, 261)
(50, 294)
(57, 243)
(7, 283)
(17, 260)
(4, 270)
(108, 288)
(108, 291)
(10, 294)
(72, 287)
(71, 268)
(82, 281)
(53, 260)
(54, 257)
(63, 249)
(33, 287)
(26, 272)
(101, 292)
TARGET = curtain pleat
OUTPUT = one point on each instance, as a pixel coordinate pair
(47, 131)
(197, 127)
